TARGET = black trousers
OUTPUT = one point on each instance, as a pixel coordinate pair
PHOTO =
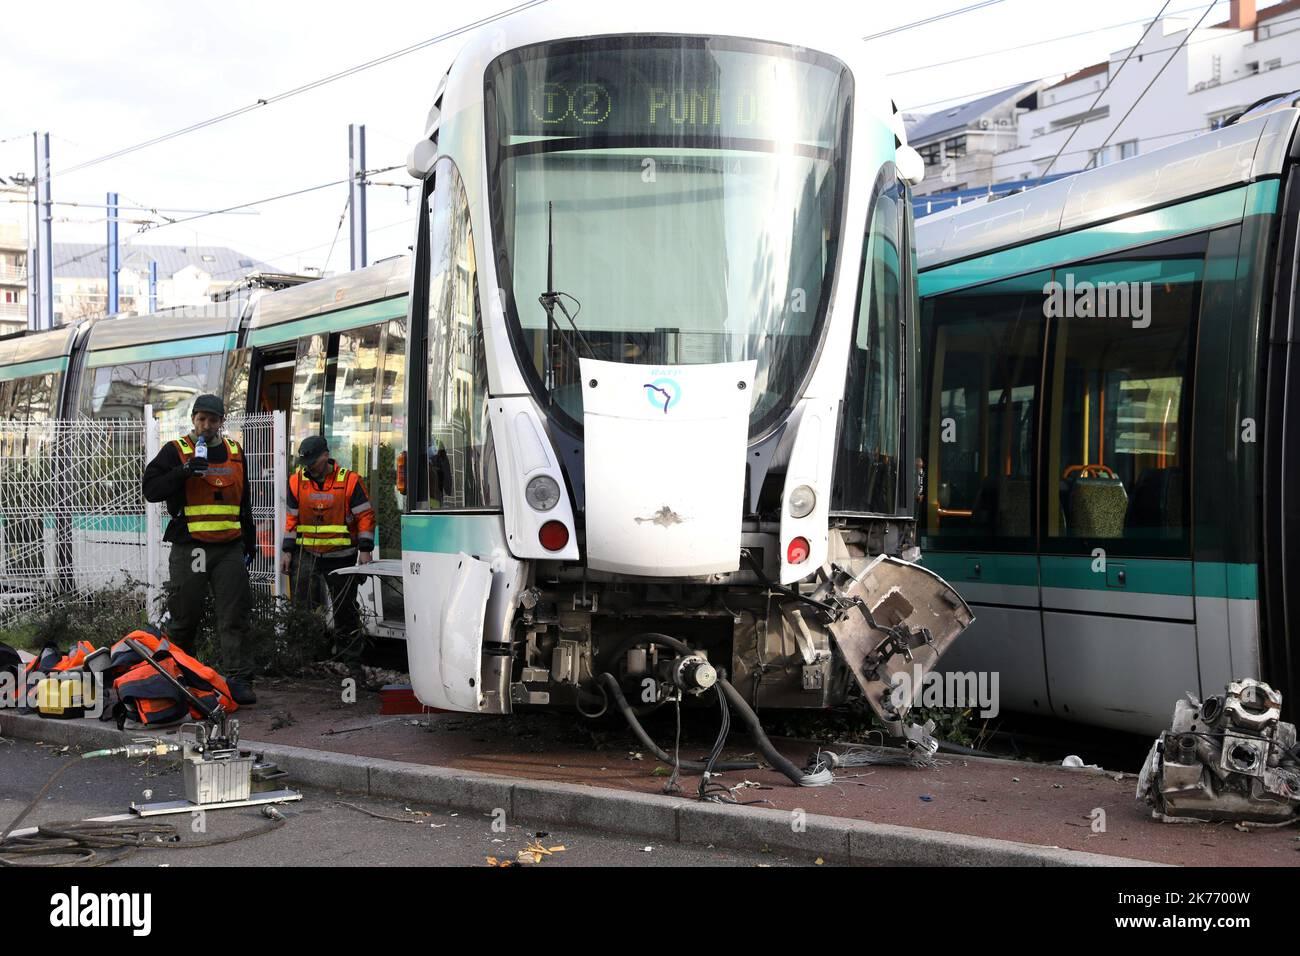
(195, 568)
(311, 573)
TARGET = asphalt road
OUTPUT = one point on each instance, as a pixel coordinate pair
(321, 830)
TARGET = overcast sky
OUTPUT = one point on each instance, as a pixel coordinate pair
(99, 76)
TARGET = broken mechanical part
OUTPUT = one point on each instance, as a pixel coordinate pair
(898, 619)
(1227, 758)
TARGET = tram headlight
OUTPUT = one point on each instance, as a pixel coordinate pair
(542, 493)
(802, 502)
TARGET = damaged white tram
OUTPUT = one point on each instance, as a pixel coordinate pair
(661, 372)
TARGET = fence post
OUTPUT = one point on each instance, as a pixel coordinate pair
(152, 521)
(280, 464)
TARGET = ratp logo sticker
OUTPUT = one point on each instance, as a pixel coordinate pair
(663, 393)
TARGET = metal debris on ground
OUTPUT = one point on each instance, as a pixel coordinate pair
(871, 755)
(381, 816)
(1074, 762)
(1227, 758)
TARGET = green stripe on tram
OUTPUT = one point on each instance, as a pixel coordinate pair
(1196, 215)
(156, 351)
(37, 367)
(360, 315)
(1169, 576)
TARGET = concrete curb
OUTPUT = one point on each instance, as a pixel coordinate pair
(649, 815)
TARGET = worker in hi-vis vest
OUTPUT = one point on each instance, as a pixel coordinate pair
(202, 478)
(330, 524)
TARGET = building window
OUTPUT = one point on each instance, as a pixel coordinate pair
(1273, 64)
(1077, 118)
(1117, 151)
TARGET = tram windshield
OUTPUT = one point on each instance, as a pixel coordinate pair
(682, 195)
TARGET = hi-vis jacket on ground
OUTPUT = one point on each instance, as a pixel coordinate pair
(333, 517)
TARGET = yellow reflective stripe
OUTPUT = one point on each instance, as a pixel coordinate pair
(317, 542)
(213, 525)
(185, 445)
(211, 510)
(322, 528)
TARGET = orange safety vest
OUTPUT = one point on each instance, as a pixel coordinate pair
(149, 698)
(325, 521)
(212, 499)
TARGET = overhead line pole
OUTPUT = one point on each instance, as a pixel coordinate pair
(43, 313)
(357, 193)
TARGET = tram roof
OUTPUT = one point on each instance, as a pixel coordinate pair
(35, 346)
(1207, 163)
(384, 280)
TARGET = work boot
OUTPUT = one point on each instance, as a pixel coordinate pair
(242, 692)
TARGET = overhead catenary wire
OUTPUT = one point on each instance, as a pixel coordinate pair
(1110, 78)
(934, 19)
(1036, 43)
(229, 209)
(300, 89)
(975, 94)
(347, 204)
(1144, 92)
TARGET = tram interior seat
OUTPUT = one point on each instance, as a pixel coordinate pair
(1097, 507)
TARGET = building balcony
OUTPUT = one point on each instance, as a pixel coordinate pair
(12, 275)
(9, 311)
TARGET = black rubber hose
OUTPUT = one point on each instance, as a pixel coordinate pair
(746, 713)
(606, 662)
(610, 684)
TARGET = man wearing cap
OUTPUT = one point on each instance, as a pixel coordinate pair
(330, 525)
(204, 482)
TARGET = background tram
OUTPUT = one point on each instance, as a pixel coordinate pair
(329, 353)
(1117, 494)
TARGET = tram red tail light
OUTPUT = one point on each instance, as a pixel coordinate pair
(401, 473)
(553, 536)
(797, 552)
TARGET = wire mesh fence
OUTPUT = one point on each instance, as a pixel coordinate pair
(74, 522)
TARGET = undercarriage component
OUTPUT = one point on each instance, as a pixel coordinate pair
(693, 674)
(1227, 758)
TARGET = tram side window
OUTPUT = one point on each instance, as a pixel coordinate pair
(308, 414)
(42, 397)
(11, 400)
(462, 464)
(867, 463)
(117, 391)
(173, 386)
(978, 443)
(391, 425)
(351, 426)
(33, 398)
(1121, 400)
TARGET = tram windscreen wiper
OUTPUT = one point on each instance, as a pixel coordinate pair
(551, 298)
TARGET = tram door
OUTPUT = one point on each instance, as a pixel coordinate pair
(979, 457)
